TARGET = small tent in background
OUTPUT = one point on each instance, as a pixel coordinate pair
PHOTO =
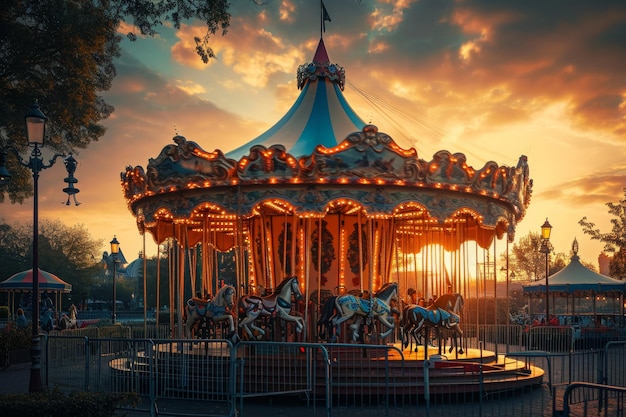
(22, 282)
(578, 291)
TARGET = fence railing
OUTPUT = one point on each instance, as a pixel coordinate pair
(376, 380)
(597, 400)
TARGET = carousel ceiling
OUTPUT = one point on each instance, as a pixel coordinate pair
(304, 166)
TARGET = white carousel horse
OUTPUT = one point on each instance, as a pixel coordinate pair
(277, 304)
(217, 309)
(442, 314)
(68, 322)
(521, 317)
(348, 306)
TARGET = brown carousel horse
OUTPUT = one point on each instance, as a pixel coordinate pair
(442, 314)
(277, 304)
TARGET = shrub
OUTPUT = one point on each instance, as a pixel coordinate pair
(12, 338)
(57, 404)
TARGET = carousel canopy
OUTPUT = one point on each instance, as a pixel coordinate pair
(576, 277)
(321, 158)
(23, 281)
(320, 116)
(307, 184)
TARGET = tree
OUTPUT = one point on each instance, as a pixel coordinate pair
(615, 241)
(62, 51)
(63, 250)
(529, 261)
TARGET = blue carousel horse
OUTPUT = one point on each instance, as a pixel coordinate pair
(442, 314)
(47, 319)
(345, 307)
(217, 309)
(277, 304)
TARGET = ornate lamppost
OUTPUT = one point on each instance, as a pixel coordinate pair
(546, 229)
(36, 132)
(115, 249)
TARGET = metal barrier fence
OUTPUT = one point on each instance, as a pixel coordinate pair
(599, 400)
(324, 379)
(268, 369)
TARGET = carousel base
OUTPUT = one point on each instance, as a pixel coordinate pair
(376, 371)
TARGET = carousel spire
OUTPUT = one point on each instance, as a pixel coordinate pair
(321, 56)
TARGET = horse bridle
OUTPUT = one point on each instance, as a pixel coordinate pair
(295, 288)
(229, 292)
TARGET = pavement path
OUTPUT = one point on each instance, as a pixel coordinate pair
(15, 379)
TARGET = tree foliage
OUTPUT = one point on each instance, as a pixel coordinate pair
(527, 258)
(61, 52)
(528, 261)
(66, 251)
(615, 240)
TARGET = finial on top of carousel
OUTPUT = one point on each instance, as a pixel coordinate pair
(575, 247)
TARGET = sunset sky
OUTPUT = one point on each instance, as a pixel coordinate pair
(491, 79)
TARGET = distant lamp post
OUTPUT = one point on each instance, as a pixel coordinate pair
(546, 229)
(5, 175)
(115, 249)
(36, 134)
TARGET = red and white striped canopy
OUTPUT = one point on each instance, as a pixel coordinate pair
(24, 281)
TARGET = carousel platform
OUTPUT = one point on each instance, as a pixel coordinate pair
(180, 368)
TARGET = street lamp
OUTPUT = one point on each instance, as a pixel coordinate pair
(546, 229)
(115, 248)
(36, 134)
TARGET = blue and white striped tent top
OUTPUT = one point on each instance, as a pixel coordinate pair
(320, 116)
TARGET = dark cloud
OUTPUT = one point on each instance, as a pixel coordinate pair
(540, 52)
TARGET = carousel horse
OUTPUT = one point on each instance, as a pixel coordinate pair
(277, 304)
(217, 310)
(47, 320)
(349, 306)
(68, 322)
(442, 314)
(521, 317)
(328, 311)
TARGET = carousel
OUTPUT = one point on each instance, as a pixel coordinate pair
(591, 303)
(327, 199)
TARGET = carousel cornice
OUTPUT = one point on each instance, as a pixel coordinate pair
(314, 70)
(367, 168)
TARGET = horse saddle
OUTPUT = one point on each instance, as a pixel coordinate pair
(260, 303)
(364, 305)
(437, 315)
(200, 307)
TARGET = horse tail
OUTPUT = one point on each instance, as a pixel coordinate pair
(405, 325)
(327, 312)
(188, 306)
(242, 307)
(403, 316)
